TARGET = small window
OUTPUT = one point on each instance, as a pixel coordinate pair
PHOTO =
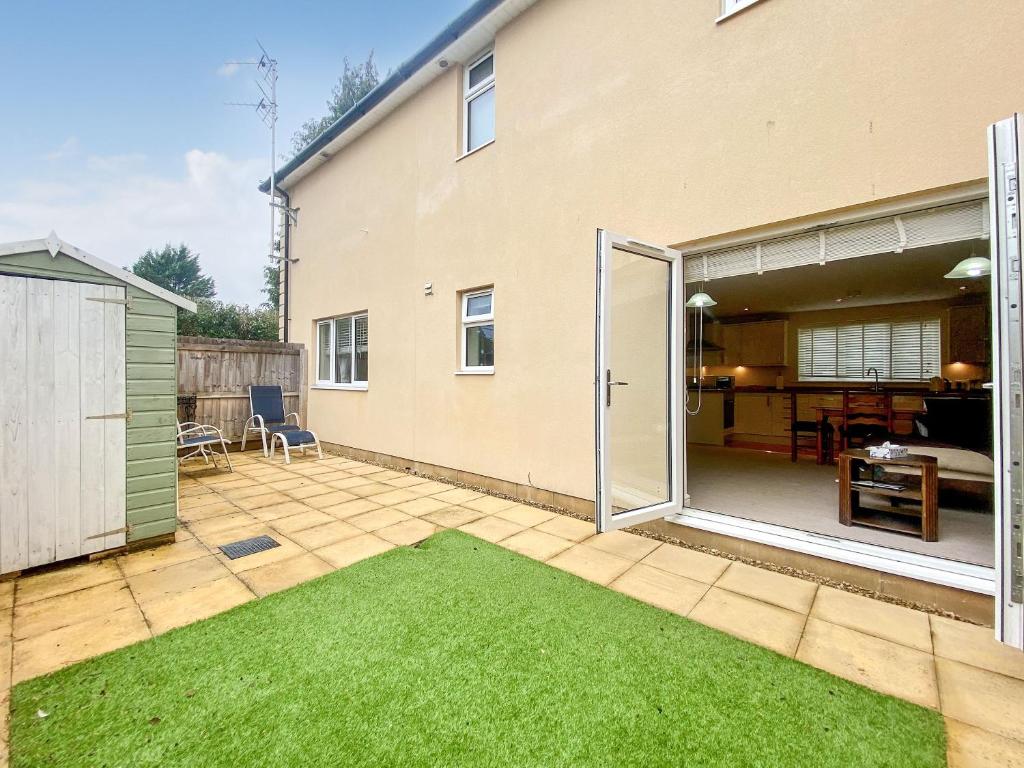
(478, 122)
(343, 352)
(729, 7)
(903, 350)
(478, 331)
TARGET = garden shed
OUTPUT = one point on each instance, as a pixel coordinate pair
(87, 405)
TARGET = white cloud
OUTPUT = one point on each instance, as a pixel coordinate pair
(116, 208)
(67, 149)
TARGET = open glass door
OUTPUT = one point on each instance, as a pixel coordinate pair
(639, 380)
(1008, 368)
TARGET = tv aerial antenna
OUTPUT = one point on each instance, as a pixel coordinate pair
(266, 109)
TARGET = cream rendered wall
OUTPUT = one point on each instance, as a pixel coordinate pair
(648, 119)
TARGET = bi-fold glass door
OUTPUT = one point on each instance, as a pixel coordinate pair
(1008, 369)
(639, 382)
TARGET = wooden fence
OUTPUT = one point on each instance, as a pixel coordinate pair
(219, 371)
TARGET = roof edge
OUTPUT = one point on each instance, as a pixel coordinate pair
(55, 245)
(456, 29)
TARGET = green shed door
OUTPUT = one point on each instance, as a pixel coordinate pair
(62, 420)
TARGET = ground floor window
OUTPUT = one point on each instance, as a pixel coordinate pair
(343, 352)
(478, 331)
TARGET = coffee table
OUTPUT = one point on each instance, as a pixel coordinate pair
(920, 517)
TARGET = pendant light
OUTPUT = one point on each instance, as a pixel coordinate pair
(700, 299)
(973, 266)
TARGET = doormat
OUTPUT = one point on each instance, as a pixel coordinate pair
(237, 549)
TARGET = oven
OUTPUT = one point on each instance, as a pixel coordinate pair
(728, 410)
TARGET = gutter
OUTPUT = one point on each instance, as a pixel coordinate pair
(465, 21)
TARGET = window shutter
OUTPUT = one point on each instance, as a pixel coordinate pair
(323, 371)
(850, 352)
(876, 351)
(343, 350)
(824, 348)
(362, 334)
(906, 350)
(931, 350)
(805, 353)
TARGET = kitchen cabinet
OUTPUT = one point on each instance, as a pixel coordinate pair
(970, 334)
(707, 425)
(765, 415)
(755, 344)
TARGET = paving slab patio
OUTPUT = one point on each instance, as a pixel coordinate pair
(330, 513)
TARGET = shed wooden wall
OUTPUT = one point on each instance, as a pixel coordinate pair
(151, 328)
(219, 372)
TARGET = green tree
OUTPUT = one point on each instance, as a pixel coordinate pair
(272, 286)
(354, 83)
(176, 269)
(229, 321)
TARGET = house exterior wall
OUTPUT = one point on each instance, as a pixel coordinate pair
(654, 122)
(151, 330)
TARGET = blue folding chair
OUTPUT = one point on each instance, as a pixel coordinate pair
(266, 404)
(201, 438)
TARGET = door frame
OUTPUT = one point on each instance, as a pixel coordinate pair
(928, 568)
(604, 517)
(1004, 148)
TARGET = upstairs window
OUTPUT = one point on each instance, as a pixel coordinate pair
(729, 7)
(478, 111)
(478, 331)
(905, 350)
(343, 352)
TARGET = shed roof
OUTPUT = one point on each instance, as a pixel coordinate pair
(55, 245)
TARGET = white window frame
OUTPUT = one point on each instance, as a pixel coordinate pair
(471, 94)
(331, 323)
(473, 321)
(732, 7)
(865, 377)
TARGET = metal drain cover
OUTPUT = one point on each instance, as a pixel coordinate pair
(237, 549)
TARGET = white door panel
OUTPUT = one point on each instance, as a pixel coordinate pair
(62, 473)
(639, 382)
(1008, 368)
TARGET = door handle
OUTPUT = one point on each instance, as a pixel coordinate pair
(609, 385)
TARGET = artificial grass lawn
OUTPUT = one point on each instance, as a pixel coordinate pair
(458, 652)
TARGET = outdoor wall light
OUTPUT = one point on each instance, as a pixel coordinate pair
(700, 299)
(973, 266)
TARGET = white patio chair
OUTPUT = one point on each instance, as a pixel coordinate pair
(201, 438)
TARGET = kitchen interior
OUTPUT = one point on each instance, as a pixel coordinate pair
(790, 370)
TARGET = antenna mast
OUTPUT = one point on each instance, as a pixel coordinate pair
(266, 108)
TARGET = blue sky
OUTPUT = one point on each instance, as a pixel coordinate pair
(121, 140)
